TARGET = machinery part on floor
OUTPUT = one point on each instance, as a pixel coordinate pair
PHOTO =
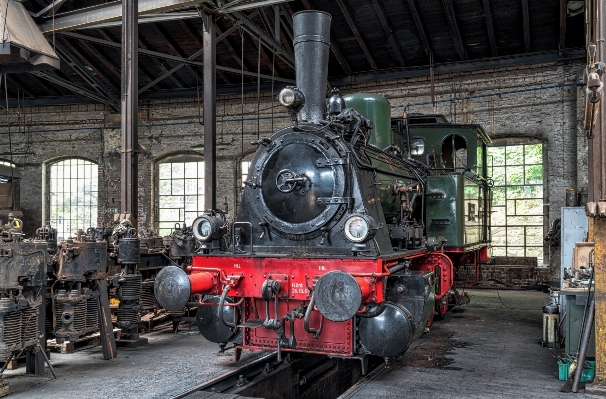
(22, 305)
(49, 235)
(182, 244)
(77, 286)
(128, 282)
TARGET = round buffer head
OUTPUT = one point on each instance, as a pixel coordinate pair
(172, 288)
(338, 296)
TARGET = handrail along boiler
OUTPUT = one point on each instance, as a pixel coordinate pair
(342, 241)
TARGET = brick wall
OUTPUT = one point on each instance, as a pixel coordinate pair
(553, 116)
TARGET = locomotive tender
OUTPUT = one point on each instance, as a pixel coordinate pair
(349, 223)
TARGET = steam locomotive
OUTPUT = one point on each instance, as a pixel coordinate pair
(351, 225)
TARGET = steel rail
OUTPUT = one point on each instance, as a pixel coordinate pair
(232, 374)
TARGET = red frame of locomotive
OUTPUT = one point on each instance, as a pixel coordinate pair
(244, 277)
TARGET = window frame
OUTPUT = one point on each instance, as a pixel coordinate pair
(184, 157)
(538, 185)
(47, 205)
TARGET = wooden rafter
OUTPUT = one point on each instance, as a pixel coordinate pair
(17, 82)
(420, 29)
(455, 33)
(49, 89)
(526, 23)
(563, 6)
(490, 28)
(143, 44)
(265, 58)
(357, 34)
(388, 32)
(116, 69)
(173, 47)
(195, 38)
(334, 47)
(84, 58)
(231, 50)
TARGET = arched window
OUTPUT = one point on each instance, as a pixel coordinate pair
(180, 192)
(73, 196)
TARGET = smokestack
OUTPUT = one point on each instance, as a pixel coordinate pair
(312, 43)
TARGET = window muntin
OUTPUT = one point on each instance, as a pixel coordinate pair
(73, 196)
(180, 194)
(517, 200)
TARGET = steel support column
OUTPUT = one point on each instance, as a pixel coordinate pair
(210, 114)
(130, 139)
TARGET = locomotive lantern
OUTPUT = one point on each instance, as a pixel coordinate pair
(330, 251)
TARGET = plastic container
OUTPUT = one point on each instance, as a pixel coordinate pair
(564, 368)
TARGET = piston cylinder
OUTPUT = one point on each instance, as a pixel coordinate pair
(129, 251)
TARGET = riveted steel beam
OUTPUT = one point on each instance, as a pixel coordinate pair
(210, 112)
(129, 111)
(75, 88)
(170, 57)
(108, 12)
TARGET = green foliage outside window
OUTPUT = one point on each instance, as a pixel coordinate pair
(73, 196)
(180, 194)
(517, 200)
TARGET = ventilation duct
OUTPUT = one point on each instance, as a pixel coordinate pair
(23, 48)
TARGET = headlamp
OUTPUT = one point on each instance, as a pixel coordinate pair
(360, 228)
(292, 98)
(206, 228)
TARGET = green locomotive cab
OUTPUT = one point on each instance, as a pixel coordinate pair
(448, 202)
(457, 205)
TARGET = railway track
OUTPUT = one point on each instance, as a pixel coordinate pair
(301, 376)
(232, 379)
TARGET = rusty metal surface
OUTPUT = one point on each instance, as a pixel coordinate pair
(129, 122)
(210, 112)
(597, 191)
(599, 233)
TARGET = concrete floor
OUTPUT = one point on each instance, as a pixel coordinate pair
(168, 365)
(488, 349)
